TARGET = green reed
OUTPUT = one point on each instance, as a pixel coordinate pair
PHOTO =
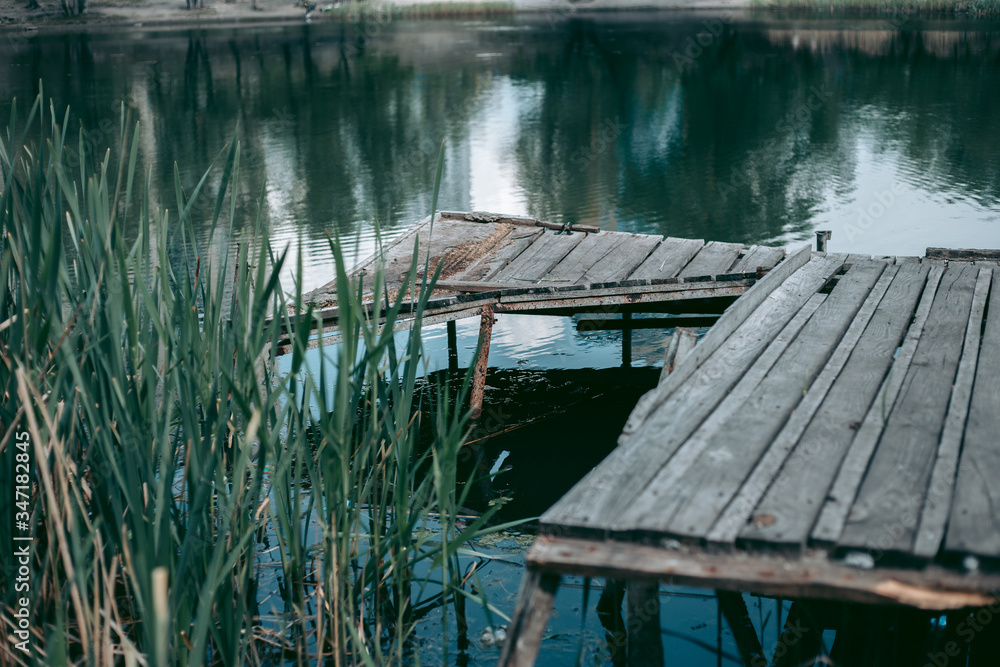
(170, 455)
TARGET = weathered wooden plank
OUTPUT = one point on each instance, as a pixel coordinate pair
(757, 256)
(962, 253)
(738, 512)
(668, 258)
(794, 499)
(688, 494)
(810, 575)
(531, 614)
(854, 257)
(538, 259)
(485, 217)
(974, 526)
(907, 259)
(884, 514)
(598, 500)
(747, 384)
(838, 502)
(514, 243)
(680, 345)
(588, 252)
(715, 258)
(620, 264)
(734, 316)
(939, 494)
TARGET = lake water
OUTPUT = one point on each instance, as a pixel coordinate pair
(756, 128)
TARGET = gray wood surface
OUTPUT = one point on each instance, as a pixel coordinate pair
(891, 496)
(667, 259)
(757, 256)
(715, 258)
(588, 252)
(619, 265)
(694, 490)
(538, 259)
(793, 501)
(699, 441)
(739, 510)
(974, 525)
(513, 245)
(599, 499)
(837, 504)
(939, 494)
(734, 316)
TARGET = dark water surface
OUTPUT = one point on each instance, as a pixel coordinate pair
(756, 130)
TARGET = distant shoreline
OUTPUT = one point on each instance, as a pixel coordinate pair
(219, 14)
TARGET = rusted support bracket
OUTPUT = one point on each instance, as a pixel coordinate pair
(479, 374)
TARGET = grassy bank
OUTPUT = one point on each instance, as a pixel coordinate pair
(169, 464)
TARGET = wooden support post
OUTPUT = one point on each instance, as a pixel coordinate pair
(734, 609)
(681, 343)
(822, 236)
(645, 645)
(531, 615)
(627, 339)
(452, 346)
(479, 374)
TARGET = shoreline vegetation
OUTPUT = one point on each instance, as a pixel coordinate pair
(188, 501)
(29, 16)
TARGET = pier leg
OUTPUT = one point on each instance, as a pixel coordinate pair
(531, 615)
(645, 645)
(627, 339)
(479, 374)
(452, 346)
(734, 609)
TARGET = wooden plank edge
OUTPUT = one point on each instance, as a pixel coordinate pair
(812, 575)
(962, 254)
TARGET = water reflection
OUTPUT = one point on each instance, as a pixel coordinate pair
(774, 127)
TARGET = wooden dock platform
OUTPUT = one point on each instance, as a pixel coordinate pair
(518, 264)
(833, 437)
(494, 263)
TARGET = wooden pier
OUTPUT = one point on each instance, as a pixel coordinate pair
(507, 264)
(833, 437)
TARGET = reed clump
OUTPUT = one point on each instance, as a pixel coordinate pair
(190, 504)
